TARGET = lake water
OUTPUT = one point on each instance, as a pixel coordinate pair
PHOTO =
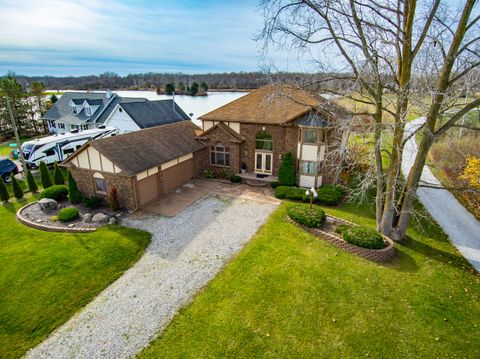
(197, 106)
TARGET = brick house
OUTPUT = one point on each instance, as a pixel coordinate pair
(253, 133)
(142, 165)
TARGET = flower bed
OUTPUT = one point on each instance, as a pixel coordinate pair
(328, 232)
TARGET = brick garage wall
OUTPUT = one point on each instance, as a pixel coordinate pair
(218, 135)
(84, 179)
(285, 139)
(200, 161)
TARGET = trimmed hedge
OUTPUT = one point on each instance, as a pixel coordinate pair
(328, 195)
(45, 175)
(68, 214)
(363, 237)
(310, 217)
(56, 192)
(235, 179)
(32, 185)
(16, 188)
(74, 195)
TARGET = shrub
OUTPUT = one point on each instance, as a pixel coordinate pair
(281, 192)
(286, 172)
(57, 175)
(68, 214)
(363, 237)
(209, 174)
(330, 195)
(223, 173)
(4, 195)
(56, 192)
(113, 199)
(74, 195)
(342, 228)
(235, 179)
(32, 185)
(274, 184)
(45, 175)
(92, 202)
(311, 217)
(297, 194)
(16, 188)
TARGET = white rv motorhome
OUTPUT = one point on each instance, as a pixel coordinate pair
(58, 147)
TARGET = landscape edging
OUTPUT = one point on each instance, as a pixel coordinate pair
(377, 255)
(47, 228)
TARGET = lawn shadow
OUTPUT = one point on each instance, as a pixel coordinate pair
(450, 259)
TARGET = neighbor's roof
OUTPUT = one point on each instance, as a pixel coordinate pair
(154, 113)
(273, 104)
(138, 151)
(61, 109)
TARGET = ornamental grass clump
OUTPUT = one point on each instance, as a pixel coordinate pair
(312, 217)
(363, 237)
(68, 214)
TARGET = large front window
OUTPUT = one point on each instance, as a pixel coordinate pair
(100, 183)
(220, 155)
(312, 136)
(308, 168)
(264, 141)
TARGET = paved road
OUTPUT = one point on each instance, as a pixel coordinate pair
(186, 252)
(462, 227)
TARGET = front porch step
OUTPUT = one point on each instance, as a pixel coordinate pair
(256, 183)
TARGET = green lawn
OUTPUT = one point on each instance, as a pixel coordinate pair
(290, 295)
(46, 277)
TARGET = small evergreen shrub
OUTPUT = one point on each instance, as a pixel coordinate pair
(310, 217)
(74, 195)
(286, 172)
(16, 188)
(32, 185)
(274, 184)
(330, 195)
(363, 237)
(57, 174)
(281, 192)
(235, 179)
(4, 195)
(57, 192)
(113, 199)
(45, 176)
(93, 202)
(342, 228)
(68, 214)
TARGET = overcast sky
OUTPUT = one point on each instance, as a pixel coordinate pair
(62, 37)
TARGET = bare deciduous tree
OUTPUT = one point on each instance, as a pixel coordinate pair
(395, 55)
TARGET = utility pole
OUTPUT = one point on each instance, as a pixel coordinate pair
(15, 131)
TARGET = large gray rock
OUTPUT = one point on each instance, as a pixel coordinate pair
(87, 217)
(100, 218)
(112, 220)
(47, 204)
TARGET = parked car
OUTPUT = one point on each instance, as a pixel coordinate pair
(7, 167)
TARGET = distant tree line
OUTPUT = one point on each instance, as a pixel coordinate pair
(183, 83)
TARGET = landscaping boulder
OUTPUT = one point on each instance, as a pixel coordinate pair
(47, 204)
(100, 218)
(112, 220)
(87, 217)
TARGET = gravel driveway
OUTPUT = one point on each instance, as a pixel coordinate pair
(186, 252)
(459, 224)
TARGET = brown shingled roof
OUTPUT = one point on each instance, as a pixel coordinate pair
(138, 151)
(271, 104)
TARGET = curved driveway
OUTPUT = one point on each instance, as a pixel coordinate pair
(458, 223)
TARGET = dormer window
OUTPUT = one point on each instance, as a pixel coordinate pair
(88, 111)
(74, 110)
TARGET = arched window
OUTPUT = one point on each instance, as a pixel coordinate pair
(264, 141)
(220, 155)
(100, 184)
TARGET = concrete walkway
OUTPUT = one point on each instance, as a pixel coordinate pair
(459, 224)
(186, 252)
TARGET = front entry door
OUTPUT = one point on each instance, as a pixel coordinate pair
(263, 162)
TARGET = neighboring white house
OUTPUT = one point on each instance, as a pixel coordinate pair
(88, 110)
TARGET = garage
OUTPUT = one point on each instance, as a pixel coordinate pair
(147, 189)
(175, 176)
